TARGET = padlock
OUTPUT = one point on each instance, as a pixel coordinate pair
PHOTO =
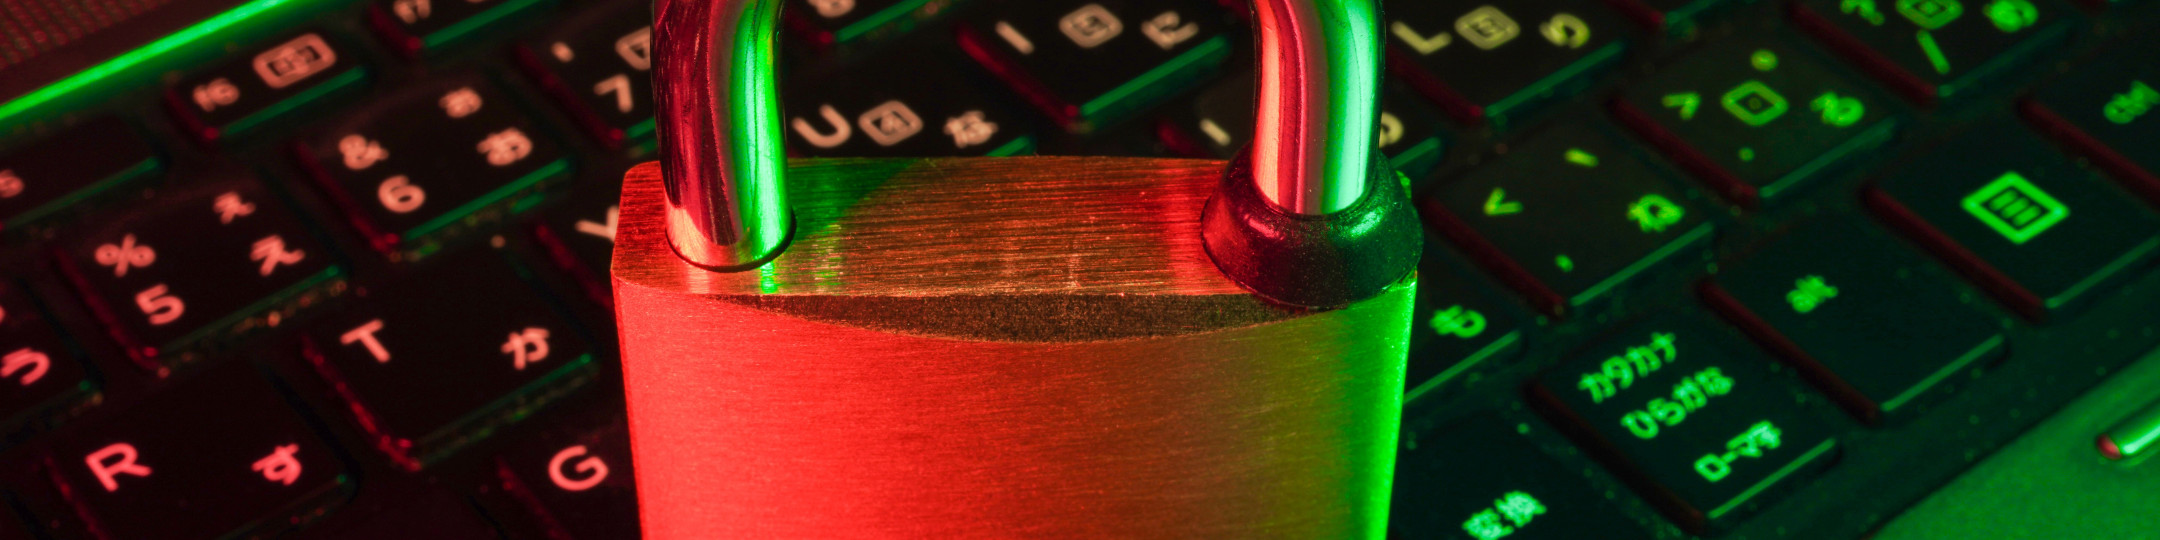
(1015, 347)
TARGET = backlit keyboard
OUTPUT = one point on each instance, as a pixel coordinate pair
(1695, 268)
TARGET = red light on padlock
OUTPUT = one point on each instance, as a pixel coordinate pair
(1015, 347)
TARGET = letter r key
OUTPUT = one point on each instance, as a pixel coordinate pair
(219, 455)
(110, 462)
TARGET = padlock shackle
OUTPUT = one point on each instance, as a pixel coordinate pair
(714, 67)
(716, 98)
(1318, 83)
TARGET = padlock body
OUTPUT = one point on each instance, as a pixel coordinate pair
(965, 348)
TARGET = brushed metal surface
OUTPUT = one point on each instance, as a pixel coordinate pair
(997, 348)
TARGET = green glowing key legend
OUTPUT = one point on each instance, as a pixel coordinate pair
(2126, 107)
(1930, 14)
(1516, 508)
(1809, 293)
(2015, 207)
(1654, 213)
(1459, 322)
(1754, 103)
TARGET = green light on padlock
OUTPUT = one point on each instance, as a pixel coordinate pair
(961, 347)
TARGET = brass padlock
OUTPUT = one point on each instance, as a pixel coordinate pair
(1064, 347)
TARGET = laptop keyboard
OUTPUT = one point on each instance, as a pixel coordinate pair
(1695, 268)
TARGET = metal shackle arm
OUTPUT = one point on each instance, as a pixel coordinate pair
(720, 137)
(717, 100)
(1318, 79)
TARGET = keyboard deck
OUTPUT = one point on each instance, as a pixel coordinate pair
(1694, 268)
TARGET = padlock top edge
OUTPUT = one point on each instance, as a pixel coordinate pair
(967, 241)
(959, 227)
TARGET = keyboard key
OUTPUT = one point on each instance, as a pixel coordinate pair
(1754, 118)
(221, 456)
(39, 371)
(198, 266)
(430, 515)
(41, 179)
(1480, 479)
(578, 484)
(440, 358)
(914, 109)
(264, 83)
(433, 164)
(1483, 63)
(1931, 49)
(2104, 110)
(598, 67)
(1566, 216)
(579, 236)
(1088, 64)
(414, 27)
(2017, 218)
(828, 22)
(1871, 323)
(1704, 437)
(1461, 329)
(1221, 120)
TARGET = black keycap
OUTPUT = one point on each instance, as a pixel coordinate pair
(1754, 118)
(578, 484)
(429, 515)
(1460, 328)
(1931, 49)
(1567, 215)
(429, 165)
(917, 107)
(264, 83)
(1089, 64)
(1700, 425)
(37, 369)
(414, 27)
(1485, 63)
(45, 177)
(198, 265)
(436, 360)
(1480, 479)
(830, 22)
(1672, 15)
(2017, 217)
(220, 456)
(598, 65)
(1867, 320)
(579, 235)
(2104, 110)
(1221, 125)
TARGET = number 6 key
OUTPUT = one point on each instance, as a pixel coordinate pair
(434, 164)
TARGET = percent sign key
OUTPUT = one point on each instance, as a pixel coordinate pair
(127, 254)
